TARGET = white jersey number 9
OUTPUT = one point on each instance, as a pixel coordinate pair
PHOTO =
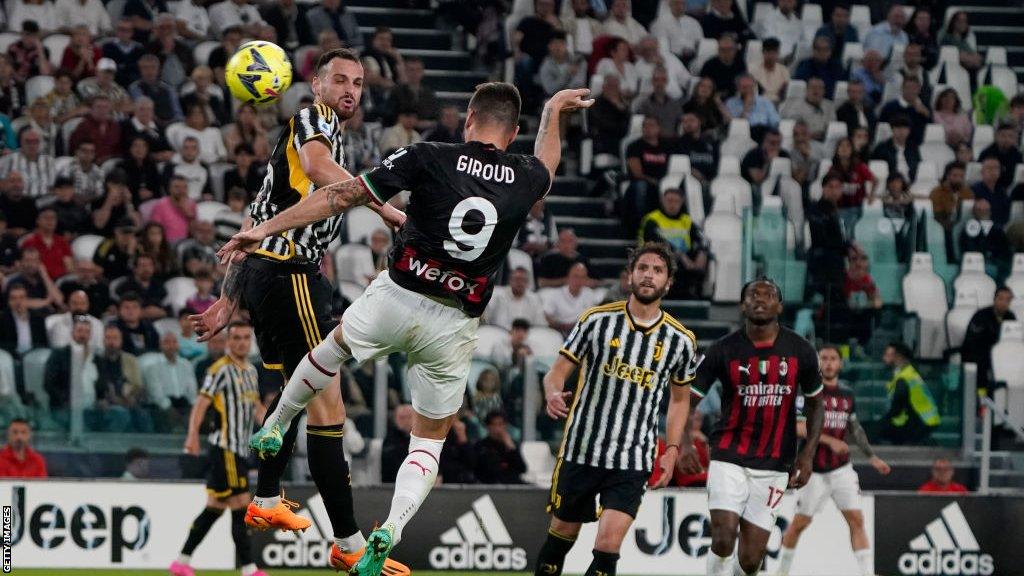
(477, 242)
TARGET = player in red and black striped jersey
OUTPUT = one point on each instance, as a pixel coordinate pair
(833, 474)
(763, 368)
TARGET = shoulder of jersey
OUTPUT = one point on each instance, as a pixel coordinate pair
(216, 366)
(611, 307)
(323, 112)
(671, 321)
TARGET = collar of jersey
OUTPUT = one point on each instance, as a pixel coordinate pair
(633, 325)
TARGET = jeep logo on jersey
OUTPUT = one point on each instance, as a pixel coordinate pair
(947, 547)
(478, 541)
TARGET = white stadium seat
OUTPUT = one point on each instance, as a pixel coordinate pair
(360, 222)
(1015, 281)
(984, 135)
(179, 290)
(84, 247)
(544, 342)
(519, 259)
(208, 210)
(354, 263)
(724, 232)
(959, 316)
(493, 344)
(350, 290)
(1008, 366)
(972, 277)
(738, 142)
(540, 463)
(730, 192)
(925, 295)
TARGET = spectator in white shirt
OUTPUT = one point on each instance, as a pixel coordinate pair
(58, 330)
(517, 300)
(617, 64)
(784, 24)
(649, 58)
(187, 165)
(236, 13)
(170, 382)
(36, 166)
(89, 13)
(682, 31)
(39, 11)
(193, 19)
(564, 306)
(771, 76)
(621, 23)
(211, 142)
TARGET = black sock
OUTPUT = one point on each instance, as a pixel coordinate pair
(240, 534)
(603, 564)
(200, 526)
(327, 466)
(272, 469)
(551, 559)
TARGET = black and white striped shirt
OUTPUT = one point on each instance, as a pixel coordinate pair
(38, 175)
(624, 371)
(286, 184)
(234, 390)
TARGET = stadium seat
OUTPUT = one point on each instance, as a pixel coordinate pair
(984, 135)
(860, 18)
(168, 326)
(706, 50)
(953, 74)
(935, 132)
(540, 463)
(927, 177)
(1000, 76)
(10, 400)
(8, 38)
(544, 342)
(730, 191)
(853, 54)
(924, 294)
(786, 131)
(995, 55)
(290, 101)
(209, 209)
(37, 87)
(1015, 281)
(724, 232)
(678, 164)
(883, 131)
(493, 344)
(973, 172)
(1008, 366)
(353, 263)
(795, 90)
(835, 132)
(476, 368)
(973, 278)
(56, 43)
(1018, 176)
(360, 222)
(179, 290)
(959, 316)
(519, 259)
(350, 290)
(841, 94)
(738, 142)
(201, 53)
(217, 172)
(761, 11)
(694, 194)
(66, 129)
(34, 366)
(175, 133)
(84, 247)
(753, 52)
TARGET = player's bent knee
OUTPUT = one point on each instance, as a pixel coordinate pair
(328, 407)
(801, 522)
(563, 528)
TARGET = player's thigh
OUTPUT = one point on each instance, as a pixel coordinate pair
(308, 315)
(228, 474)
(845, 488)
(439, 364)
(379, 320)
(727, 487)
(574, 491)
(764, 498)
(811, 498)
(623, 490)
(612, 529)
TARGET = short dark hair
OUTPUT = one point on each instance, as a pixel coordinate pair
(234, 29)
(244, 148)
(830, 346)
(238, 324)
(129, 297)
(1003, 288)
(660, 249)
(327, 57)
(492, 416)
(771, 45)
(900, 121)
(18, 421)
(900, 348)
(1017, 100)
(556, 35)
(953, 166)
(520, 324)
(134, 454)
(761, 280)
(497, 102)
(142, 256)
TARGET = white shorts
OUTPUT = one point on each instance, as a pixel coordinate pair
(438, 340)
(754, 495)
(841, 484)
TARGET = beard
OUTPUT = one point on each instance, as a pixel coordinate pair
(656, 295)
(760, 321)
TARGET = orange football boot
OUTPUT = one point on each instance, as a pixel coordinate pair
(279, 517)
(343, 562)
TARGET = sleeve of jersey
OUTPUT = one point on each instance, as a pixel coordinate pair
(800, 409)
(687, 371)
(395, 173)
(577, 345)
(810, 375)
(316, 122)
(211, 384)
(705, 375)
(543, 177)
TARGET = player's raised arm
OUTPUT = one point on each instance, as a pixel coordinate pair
(548, 145)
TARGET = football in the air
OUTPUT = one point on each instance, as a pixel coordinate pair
(259, 72)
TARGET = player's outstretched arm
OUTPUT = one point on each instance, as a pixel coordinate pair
(678, 414)
(815, 418)
(860, 438)
(548, 145)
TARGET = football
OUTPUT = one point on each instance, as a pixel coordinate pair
(259, 72)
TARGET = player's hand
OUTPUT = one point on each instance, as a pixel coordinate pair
(240, 245)
(393, 217)
(192, 445)
(215, 319)
(571, 99)
(689, 462)
(801, 472)
(839, 447)
(556, 407)
(667, 464)
(880, 465)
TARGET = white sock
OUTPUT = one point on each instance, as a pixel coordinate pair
(315, 372)
(719, 565)
(266, 502)
(737, 570)
(184, 559)
(415, 478)
(248, 569)
(866, 561)
(785, 561)
(353, 543)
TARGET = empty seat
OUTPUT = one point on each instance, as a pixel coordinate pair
(973, 278)
(208, 210)
(544, 342)
(179, 290)
(883, 131)
(84, 247)
(1015, 281)
(706, 50)
(360, 222)
(995, 55)
(984, 136)
(959, 316)
(679, 164)
(738, 142)
(1008, 366)
(924, 294)
(724, 233)
(354, 263)
(731, 192)
(853, 54)
(926, 179)
(493, 344)
(540, 463)
(796, 89)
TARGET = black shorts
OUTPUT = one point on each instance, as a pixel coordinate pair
(290, 308)
(228, 475)
(576, 489)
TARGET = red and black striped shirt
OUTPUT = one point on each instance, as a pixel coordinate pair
(760, 385)
(838, 404)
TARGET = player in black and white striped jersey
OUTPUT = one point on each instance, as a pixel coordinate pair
(627, 353)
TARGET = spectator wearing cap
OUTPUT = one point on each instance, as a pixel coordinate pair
(909, 105)
(86, 175)
(103, 84)
(114, 206)
(28, 55)
(838, 30)
(770, 75)
(175, 211)
(889, 32)
(143, 284)
(21, 329)
(149, 84)
(899, 152)
(403, 133)
(72, 218)
(1006, 151)
(142, 13)
(100, 128)
(115, 253)
(142, 124)
(235, 13)
(88, 277)
(30, 161)
(815, 109)
(193, 21)
(176, 61)
(186, 164)
(89, 13)
(19, 209)
(80, 55)
(142, 173)
(54, 250)
(59, 329)
(125, 52)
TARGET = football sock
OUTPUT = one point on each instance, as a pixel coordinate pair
(551, 559)
(353, 543)
(719, 565)
(315, 372)
(185, 559)
(603, 564)
(414, 480)
(738, 570)
(329, 469)
(200, 527)
(866, 561)
(248, 569)
(240, 534)
(785, 561)
(271, 469)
